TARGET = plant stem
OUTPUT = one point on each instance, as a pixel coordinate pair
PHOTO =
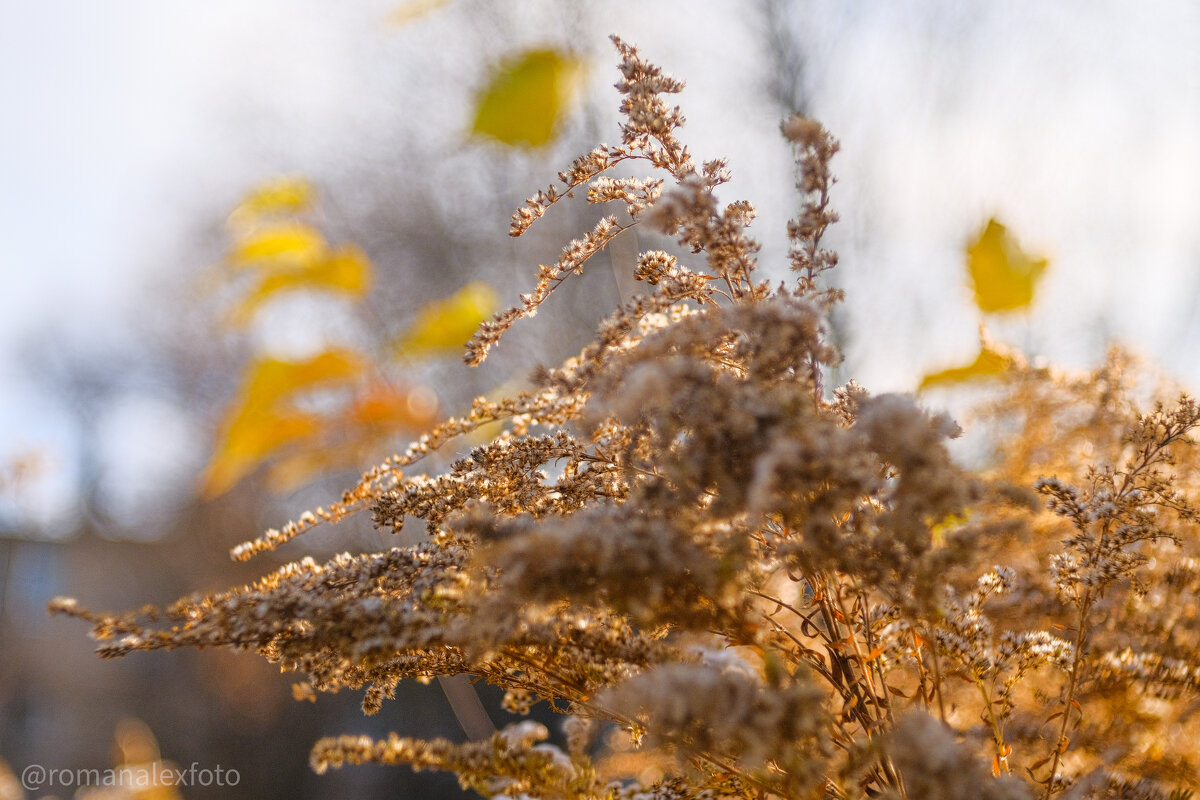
(1085, 607)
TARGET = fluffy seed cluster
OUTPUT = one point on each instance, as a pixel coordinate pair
(736, 582)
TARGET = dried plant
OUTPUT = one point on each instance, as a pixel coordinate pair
(734, 581)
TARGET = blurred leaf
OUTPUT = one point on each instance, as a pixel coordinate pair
(490, 430)
(1002, 275)
(988, 363)
(261, 420)
(446, 325)
(413, 10)
(269, 379)
(938, 530)
(137, 754)
(347, 270)
(248, 440)
(353, 434)
(274, 419)
(389, 408)
(290, 471)
(291, 242)
(135, 742)
(280, 196)
(527, 97)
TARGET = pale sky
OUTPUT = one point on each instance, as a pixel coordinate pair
(130, 124)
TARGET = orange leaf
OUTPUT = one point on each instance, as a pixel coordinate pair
(353, 434)
(390, 408)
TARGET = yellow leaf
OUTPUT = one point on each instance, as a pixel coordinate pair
(413, 10)
(261, 420)
(446, 325)
(288, 242)
(526, 98)
(268, 380)
(347, 270)
(1003, 276)
(280, 196)
(249, 440)
(986, 364)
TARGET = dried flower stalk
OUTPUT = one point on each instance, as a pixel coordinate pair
(767, 588)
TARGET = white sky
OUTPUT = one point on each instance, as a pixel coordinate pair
(129, 123)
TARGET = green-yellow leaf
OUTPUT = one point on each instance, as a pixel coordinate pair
(527, 97)
(346, 271)
(413, 10)
(446, 325)
(1002, 275)
(280, 196)
(987, 364)
(289, 243)
(262, 420)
